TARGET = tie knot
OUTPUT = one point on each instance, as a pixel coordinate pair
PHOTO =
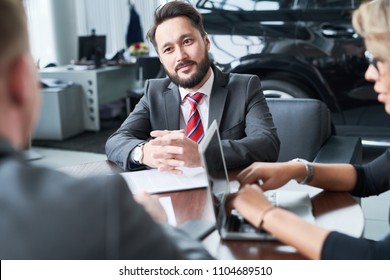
(195, 98)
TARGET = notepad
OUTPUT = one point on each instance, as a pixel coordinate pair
(154, 181)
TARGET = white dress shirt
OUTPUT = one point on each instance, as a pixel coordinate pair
(203, 108)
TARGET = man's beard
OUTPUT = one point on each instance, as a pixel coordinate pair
(195, 79)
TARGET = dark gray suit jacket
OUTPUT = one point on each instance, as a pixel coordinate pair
(45, 214)
(237, 103)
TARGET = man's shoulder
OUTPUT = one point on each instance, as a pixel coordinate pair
(159, 83)
(41, 179)
(229, 78)
(239, 80)
(242, 76)
(56, 210)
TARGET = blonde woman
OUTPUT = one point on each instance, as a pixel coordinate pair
(372, 22)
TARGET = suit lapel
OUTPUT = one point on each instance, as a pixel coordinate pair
(172, 107)
(218, 96)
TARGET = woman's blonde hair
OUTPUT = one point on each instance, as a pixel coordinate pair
(372, 21)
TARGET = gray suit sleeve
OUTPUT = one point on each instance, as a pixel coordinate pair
(190, 249)
(134, 130)
(141, 237)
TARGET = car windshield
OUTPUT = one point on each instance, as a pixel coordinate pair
(260, 5)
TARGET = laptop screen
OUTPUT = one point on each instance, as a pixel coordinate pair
(214, 164)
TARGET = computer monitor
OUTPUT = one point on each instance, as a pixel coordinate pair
(92, 48)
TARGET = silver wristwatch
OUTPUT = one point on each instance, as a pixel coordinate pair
(137, 154)
(309, 170)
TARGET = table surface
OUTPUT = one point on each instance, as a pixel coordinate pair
(332, 210)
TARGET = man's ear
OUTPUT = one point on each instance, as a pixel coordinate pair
(17, 79)
(207, 41)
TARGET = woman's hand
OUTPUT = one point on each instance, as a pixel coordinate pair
(250, 202)
(269, 175)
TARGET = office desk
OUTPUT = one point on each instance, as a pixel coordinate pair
(100, 86)
(332, 210)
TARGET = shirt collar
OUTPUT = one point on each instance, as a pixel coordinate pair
(205, 89)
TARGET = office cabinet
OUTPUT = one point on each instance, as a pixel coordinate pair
(61, 114)
(99, 86)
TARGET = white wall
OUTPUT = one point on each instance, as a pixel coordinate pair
(64, 30)
(40, 25)
(55, 24)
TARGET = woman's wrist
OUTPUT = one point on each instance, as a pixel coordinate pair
(305, 174)
(264, 213)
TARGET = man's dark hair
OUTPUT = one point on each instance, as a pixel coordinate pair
(171, 10)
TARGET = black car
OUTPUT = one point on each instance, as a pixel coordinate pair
(300, 48)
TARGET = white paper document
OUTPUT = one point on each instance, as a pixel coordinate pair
(166, 203)
(154, 181)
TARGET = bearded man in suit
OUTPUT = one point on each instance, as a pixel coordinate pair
(45, 214)
(157, 134)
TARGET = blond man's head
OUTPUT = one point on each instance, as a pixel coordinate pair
(13, 29)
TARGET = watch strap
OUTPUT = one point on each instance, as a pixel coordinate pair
(309, 171)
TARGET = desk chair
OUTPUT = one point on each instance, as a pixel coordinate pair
(305, 130)
(148, 67)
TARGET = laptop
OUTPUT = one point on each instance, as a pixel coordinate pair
(232, 225)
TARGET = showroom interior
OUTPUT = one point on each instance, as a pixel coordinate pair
(86, 98)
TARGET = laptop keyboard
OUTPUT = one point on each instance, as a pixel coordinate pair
(237, 223)
(272, 197)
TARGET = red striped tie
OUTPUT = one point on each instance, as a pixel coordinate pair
(194, 129)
